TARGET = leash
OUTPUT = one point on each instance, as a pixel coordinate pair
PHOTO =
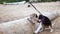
(35, 8)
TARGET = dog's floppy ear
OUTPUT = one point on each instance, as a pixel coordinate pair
(40, 16)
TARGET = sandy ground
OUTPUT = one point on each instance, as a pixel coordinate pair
(12, 12)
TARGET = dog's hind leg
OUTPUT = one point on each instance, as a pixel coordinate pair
(51, 29)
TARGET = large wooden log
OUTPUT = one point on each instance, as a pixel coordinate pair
(21, 26)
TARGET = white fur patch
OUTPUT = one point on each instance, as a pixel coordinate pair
(38, 29)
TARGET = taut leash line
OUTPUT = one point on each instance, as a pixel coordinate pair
(35, 8)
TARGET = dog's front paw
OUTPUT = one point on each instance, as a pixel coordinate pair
(35, 33)
(51, 30)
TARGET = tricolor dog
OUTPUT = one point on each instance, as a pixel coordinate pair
(44, 23)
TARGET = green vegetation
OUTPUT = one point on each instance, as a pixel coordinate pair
(46, 0)
(1, 1)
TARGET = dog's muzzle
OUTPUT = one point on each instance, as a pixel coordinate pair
(30, 20)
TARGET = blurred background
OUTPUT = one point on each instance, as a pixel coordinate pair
(1, 1)
(16, 9)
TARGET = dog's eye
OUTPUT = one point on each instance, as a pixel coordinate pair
(36, 16)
